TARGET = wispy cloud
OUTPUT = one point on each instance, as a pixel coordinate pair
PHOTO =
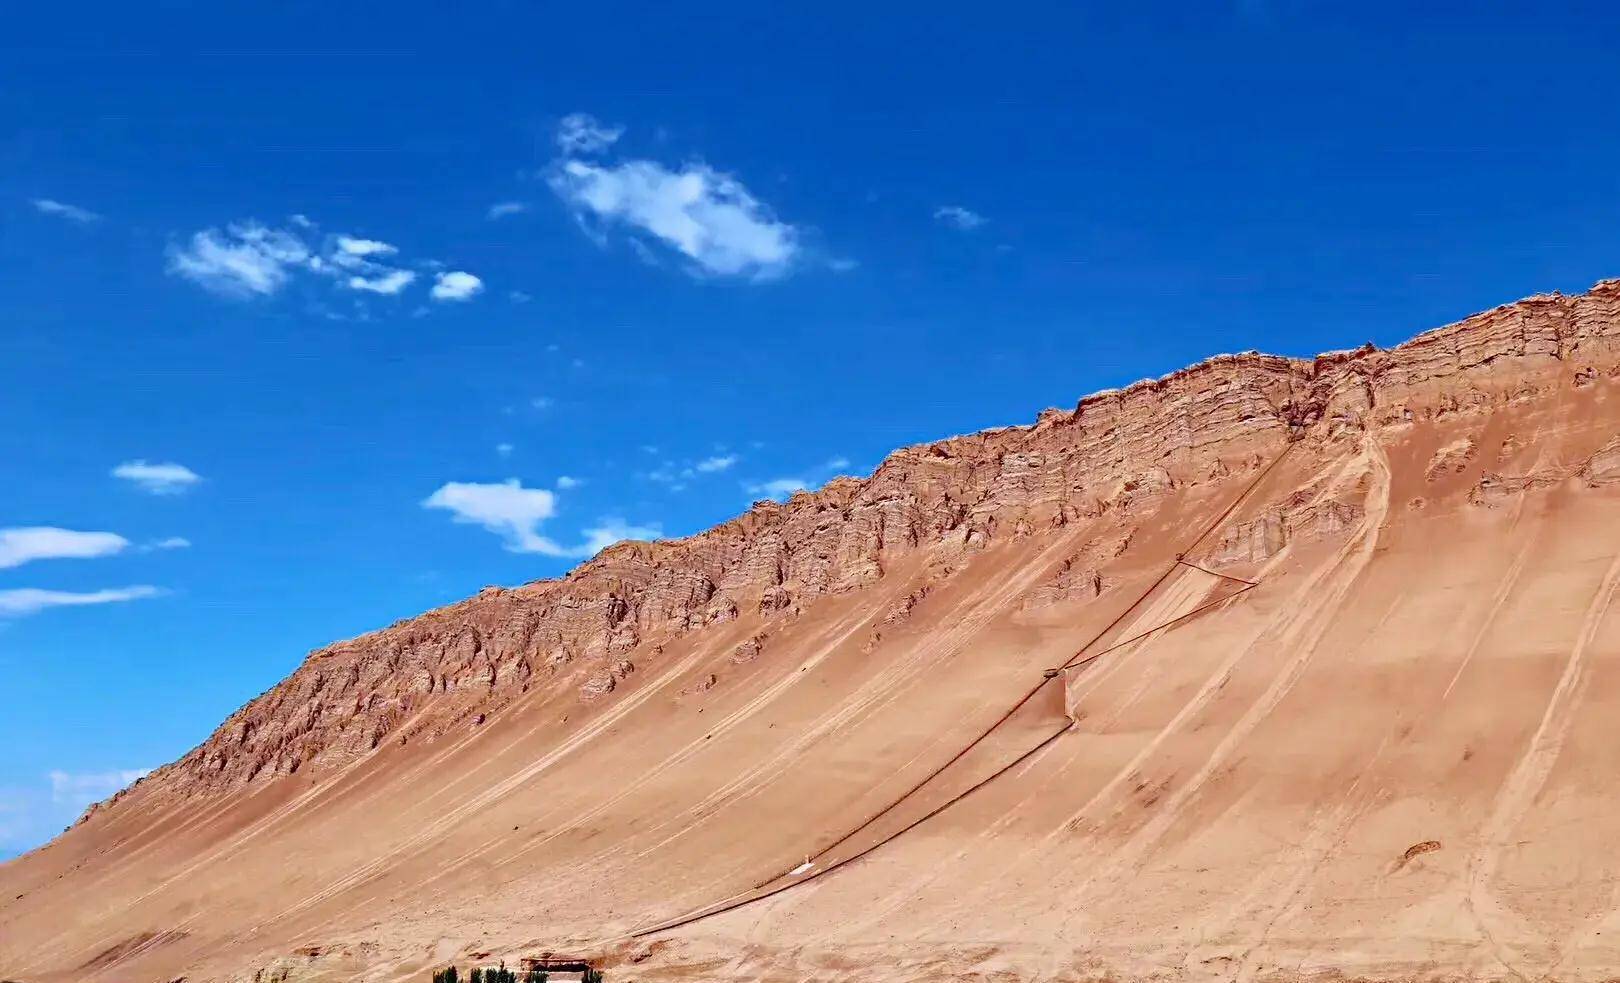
(502, 209)
(675, 475)
(456, 285)
(30, 600)
(79, 790)
(19, 822)
(61, 209)
(777, 488)
(249, 259)
(706, 216)
(26, 544)
(171, 543)
(504, 450)
(958, 217)
(516, 513)
(613, 529)
(242, 260)
(710, 465)
(668, 474)
(808, 478)
(167, 478)
(352, 246)
(582, 133)
(564, 482)
(32, 812)
(703, 214)
(389, 283)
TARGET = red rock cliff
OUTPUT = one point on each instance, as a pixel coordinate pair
(1116, 450)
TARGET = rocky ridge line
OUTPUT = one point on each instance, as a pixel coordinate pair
(1116, 451)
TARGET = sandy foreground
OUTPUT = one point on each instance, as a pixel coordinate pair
(1396, 757)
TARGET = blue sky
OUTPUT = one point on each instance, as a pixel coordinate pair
(316, 317)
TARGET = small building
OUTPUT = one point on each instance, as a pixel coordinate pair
(558, 969)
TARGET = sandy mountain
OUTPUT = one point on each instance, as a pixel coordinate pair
(1393, 756)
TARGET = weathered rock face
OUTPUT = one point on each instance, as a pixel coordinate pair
(1116, 452)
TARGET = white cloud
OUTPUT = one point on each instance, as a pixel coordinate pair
(82, 789)
(61, 209)
(501, 209)
(518, 297)
(542, 402)
(247, 259)
(958, 217)
(515, 513)
(778, 488)
(705, 215)
(359, 257)
(243, 260)
(158, 479)
(582, 133)
(351, 246)
(171, 543)
(28, 543)
(389, 283)
(456, 285)
(507, 509)
(710, 465)
(615, 530)
(29, 600)
(504, 450)
(837, 463)
(564, 482)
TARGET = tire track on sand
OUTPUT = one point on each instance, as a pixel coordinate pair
(479, 800)
(1505, 587)
(1094, 678)
(1529, 776)
(850, 625)
(966, 630)
(1307, 626)
(878, 693)
(1179, 596)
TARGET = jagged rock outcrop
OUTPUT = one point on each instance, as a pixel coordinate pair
(1117, 452)
(1453, 458)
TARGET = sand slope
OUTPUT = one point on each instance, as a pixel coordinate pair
(1392, 758)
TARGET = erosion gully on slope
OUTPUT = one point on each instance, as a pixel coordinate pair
(1080, 660)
